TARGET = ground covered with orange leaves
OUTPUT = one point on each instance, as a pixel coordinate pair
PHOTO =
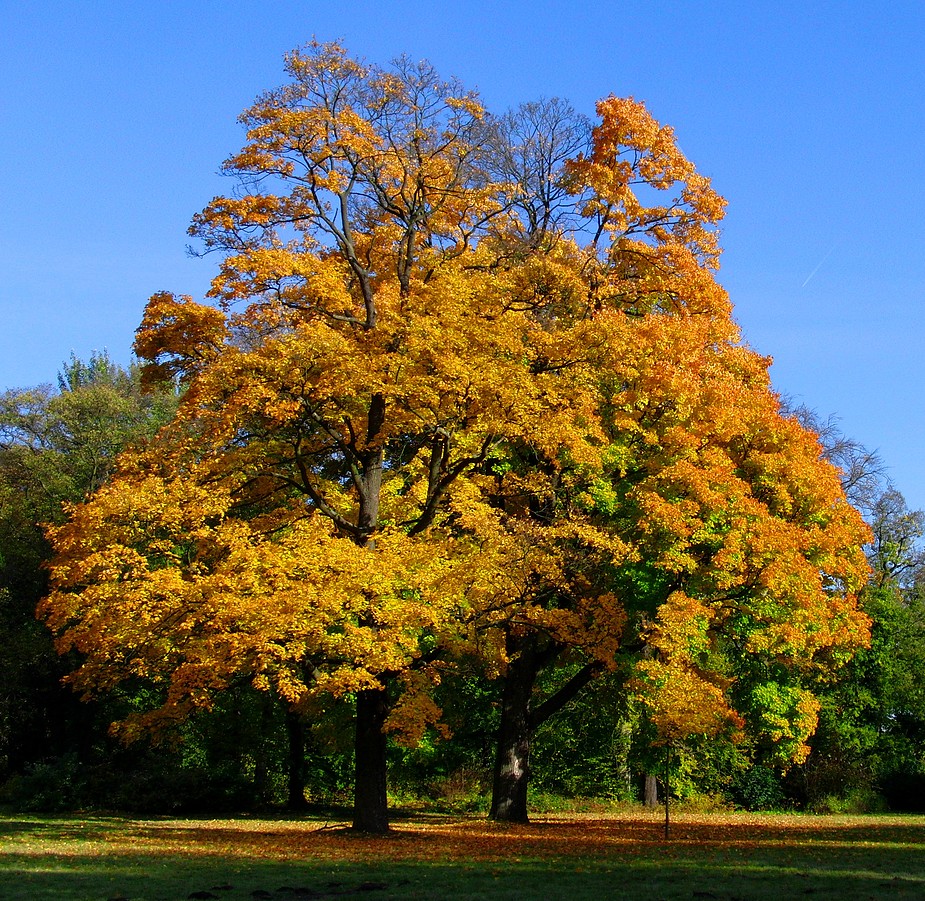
(730, 856)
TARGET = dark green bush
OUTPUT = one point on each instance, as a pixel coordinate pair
(48, 786)
(757, 788)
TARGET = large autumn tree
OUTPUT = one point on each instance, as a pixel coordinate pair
(733, 554)
(367, 358)
(466, 379)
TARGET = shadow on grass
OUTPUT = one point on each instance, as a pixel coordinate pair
(152, 878)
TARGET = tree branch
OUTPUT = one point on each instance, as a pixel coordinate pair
(566, 693)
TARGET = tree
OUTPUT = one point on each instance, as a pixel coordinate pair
(57, 446)
(740, 554)
(377, 363)
(872, 718)
(466, 379)
(896, 555)
(705, 487)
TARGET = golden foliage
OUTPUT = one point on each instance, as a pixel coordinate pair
(426, 416)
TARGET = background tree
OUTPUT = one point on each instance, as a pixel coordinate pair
(868, 749)
(869, 709)
(896, 553)
(57, 446)
(862, 471)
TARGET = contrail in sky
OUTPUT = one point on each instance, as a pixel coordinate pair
(819, 265)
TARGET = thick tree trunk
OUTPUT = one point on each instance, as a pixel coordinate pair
(295, 731)
(369, 483)
(527, 656)
(370, 802)
(512, 756)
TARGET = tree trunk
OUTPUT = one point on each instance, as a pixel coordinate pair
(369, 483)
(370, 802)
(622, 752)
(650, 794)
(295, 730)
(261, 780)
(512, 756)
(527, 655)
(666, 786)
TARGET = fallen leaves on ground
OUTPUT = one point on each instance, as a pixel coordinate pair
(448, 838)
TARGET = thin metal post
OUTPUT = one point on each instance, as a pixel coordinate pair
(667, 784)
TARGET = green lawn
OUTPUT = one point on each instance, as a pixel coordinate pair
(726, 856)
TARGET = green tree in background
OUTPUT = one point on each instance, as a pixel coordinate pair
(57, 446)
(872, 723)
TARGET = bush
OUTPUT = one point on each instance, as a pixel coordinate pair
(858, 800)
(466, 789)
(757, 788)
(49, 786)
(701, 803)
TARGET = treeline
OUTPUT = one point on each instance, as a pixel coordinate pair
(250, 752)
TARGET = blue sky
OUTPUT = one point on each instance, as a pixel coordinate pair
(809, 117)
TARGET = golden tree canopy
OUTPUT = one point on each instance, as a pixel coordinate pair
(462, 373)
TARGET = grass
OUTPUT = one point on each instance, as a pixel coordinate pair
(574, 856)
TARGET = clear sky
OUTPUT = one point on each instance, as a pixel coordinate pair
(808, 116)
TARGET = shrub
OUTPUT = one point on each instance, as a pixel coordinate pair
(757, 788)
